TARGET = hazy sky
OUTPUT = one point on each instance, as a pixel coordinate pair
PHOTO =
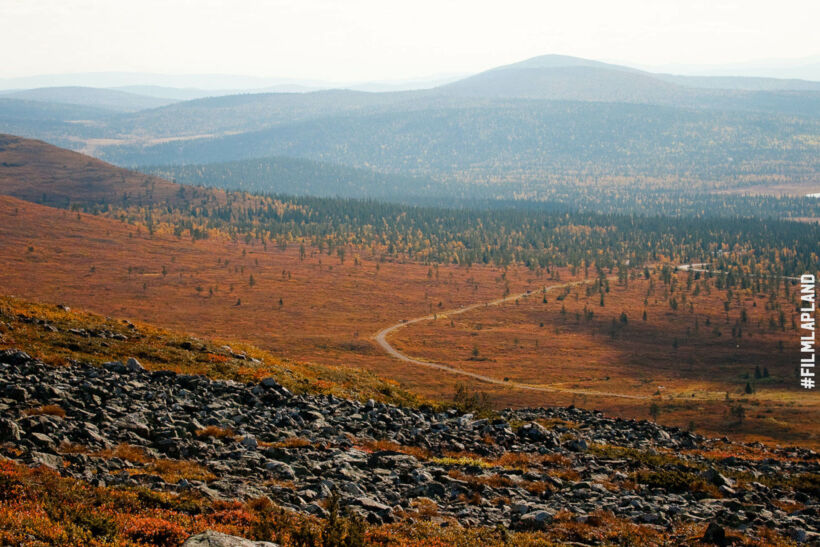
(350, 40)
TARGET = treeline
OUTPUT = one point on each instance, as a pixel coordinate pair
(672, 203)
(589, 193)
(537, 238)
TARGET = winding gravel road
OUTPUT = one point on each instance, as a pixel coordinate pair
(381, 339)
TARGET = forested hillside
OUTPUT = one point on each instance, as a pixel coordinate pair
(296, 176)
(605, 195)
(525, 140)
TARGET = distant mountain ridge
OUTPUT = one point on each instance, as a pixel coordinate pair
(546, 78)
(109, 99)
(806, 68)
(560, 61)
(559, 77)
(551, 115)
(745, 83)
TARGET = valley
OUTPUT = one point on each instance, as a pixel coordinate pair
(328, 301)
(554, 302)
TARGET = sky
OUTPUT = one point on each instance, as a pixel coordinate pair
(378, 40)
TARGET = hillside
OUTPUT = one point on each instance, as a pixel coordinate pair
(42, 173)
(214, 116)
(742, 83)
(256, 111)
(61, 124)
(618, 85)
(173, 94)
(34, 171)
(586, 82)
(296, 176)
(603, 194)
(59, 335)
(39, 172)
(258, 447)
(559, 77)
(31, 111)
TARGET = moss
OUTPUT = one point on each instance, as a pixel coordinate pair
(187, 503)
(677, 481)
(463, 461)
(643, 458)
(99, 525)
(808, 483)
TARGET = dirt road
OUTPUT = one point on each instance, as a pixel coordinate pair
(381, 339)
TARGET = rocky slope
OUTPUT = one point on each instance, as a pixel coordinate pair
(120, 425)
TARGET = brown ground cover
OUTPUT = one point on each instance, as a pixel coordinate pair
(311, 309)
(36, 171)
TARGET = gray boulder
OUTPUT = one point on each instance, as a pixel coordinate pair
(217, 539)
(9, 430)
(51, 461)
(536, 520)
(114, 366)
(134, 366)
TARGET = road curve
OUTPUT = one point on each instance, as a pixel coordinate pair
(381, 339)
